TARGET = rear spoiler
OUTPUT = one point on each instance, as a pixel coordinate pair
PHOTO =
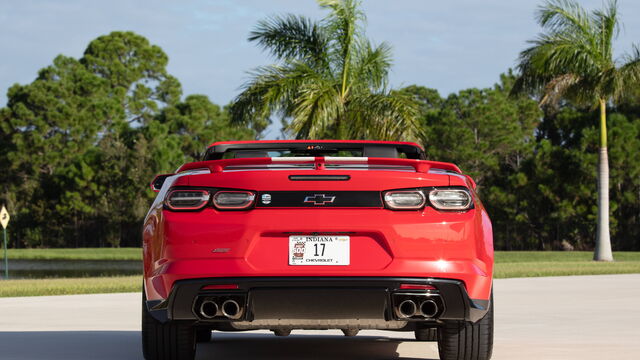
(320, 163)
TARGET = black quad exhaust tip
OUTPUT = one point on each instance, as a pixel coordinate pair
(231, 309)
(407, 309)
(417, 306)
(208, 309)
(429, 308)
(219, 307)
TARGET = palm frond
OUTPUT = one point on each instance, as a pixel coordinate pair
(271, 89)
(371, 65)
(316, 109)
(607, 26)
(344, 17)
(566, 52)
(343, 26)
(554, 60)
(383, 116)
(628, 74)
(557, 87)
(560, 52)
(564, 15)
(291, 36)
(586, 91)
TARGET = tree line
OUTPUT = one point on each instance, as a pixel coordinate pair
(536, 168)
(79, 145)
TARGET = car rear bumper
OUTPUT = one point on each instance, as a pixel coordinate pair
(317, 302)
(383, 243)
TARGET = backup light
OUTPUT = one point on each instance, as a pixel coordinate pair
(233, 200)
(187, 199)
(404, 199)
(450, 199)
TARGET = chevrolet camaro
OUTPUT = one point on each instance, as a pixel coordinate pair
(348, 235)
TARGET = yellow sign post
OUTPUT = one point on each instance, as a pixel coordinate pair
(4, 221)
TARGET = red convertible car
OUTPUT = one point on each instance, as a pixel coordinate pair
(347, 235)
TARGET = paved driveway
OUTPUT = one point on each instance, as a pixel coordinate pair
(585, 317)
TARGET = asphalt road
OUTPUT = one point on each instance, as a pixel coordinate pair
(584, 317)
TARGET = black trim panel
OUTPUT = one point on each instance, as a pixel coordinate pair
(458, 305)
(319, 199)
(319, 177)
(412, 152)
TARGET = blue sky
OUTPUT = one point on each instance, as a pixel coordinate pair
(447, 45)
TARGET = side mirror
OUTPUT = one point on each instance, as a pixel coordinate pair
(158, 181)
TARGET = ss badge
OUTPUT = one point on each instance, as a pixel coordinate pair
(266, 199)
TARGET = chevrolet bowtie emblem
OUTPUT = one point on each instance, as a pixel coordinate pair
(319, 199)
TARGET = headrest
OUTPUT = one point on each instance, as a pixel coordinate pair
(380, 151)
(251, 154)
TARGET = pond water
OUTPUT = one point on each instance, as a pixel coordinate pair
(36, 269)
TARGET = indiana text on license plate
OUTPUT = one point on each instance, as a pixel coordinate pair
(318, 250)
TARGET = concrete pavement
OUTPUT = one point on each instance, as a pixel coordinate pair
(584, 317)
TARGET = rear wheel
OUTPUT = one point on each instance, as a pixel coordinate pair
(463, 340)
(169, 341)
(427, 334)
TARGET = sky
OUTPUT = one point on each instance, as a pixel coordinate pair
(447, 45)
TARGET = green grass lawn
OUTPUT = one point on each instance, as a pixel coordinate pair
(559, 256)
(68, 286)
(76, 254)
(508, 265)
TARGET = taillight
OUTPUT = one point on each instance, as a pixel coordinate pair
(233, 200)
(450, 199)
(404, 199)
(187, 199)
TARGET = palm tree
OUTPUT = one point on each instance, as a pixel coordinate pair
(573, 59)
(329, 81)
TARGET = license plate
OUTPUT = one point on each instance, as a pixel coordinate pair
(318, 250)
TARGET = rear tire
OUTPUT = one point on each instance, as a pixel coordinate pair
(427, 334)
(463, 340)
(169, 341)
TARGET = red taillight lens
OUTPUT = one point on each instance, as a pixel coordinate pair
(187, 199)
(404, 199)
(233, 200)
(416, 287)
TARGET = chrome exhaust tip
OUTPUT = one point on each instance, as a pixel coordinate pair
(208, 309)
(429, 308)
(407, 309)
(231, 309)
